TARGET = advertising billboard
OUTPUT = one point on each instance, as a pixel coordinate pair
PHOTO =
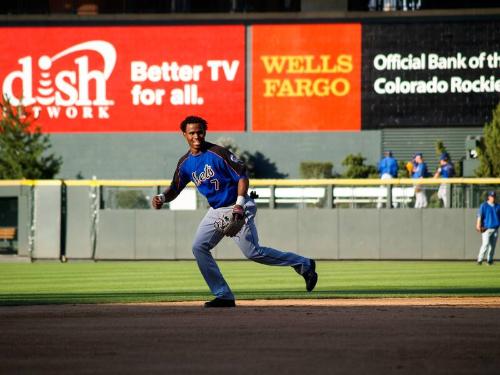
(126, 79)
(430, 74)
(306, 77)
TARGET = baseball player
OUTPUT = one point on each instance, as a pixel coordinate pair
(445, 170)
(222, 179)
(387, 168)
(420, 171)
(487, 223)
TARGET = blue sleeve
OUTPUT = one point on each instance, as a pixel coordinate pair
(180, 180)
(394, 168)
(480, 211)
(419, 171)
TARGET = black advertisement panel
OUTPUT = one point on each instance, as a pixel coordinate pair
(430, 74)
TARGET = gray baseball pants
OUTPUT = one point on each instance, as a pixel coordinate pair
(207, 237)
(489, 237)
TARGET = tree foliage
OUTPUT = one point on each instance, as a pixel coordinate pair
(316, 169)
(131, 199)
(355, 167)
(258, 165)
(489, 148)
(23, 148)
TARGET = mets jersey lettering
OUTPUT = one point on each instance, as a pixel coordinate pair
(215, 172)
(203, 176)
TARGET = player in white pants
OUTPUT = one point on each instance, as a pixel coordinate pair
(420, 171)
(445, 170)
(488, 222)
(387, 168)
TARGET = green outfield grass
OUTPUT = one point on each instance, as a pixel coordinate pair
(102, 282)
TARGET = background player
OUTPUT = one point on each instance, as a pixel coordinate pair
(420, 171)
(387, 169)
(487, 223)
(445, 170)
(222, 179)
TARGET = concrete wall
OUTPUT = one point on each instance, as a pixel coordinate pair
(428, 234)
(154, 156)
(47, 222)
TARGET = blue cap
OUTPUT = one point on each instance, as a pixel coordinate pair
(419, 154)
(444, 156)
(492, 193)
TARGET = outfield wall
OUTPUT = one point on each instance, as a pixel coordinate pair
(67, 220)
(429, 234)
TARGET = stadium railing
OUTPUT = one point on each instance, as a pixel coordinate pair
(291, 193)
(301, 193)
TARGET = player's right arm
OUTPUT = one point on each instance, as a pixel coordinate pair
(176, 186)
(479, 221)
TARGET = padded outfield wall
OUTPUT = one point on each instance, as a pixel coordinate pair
(111, 93)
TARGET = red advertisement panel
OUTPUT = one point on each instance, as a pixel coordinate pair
(306, 77)
(126, 79)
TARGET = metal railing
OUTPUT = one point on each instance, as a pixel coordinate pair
(292, 193)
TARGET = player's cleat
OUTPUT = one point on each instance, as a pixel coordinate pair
(218, 302)
(479, 262)
(311, 277)
(490, 263)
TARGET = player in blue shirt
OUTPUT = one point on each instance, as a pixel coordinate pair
(222, 179)
(445, 170)
(488, 221)
(420, 171)
(387, 168)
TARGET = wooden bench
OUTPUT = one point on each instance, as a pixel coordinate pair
(8, 234)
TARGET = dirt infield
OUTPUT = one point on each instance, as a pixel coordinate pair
(341, 336)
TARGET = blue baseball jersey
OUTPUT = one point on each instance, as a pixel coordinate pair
(447, 170)
(388, 165)
(215, 172)
(421, 171)
(490, 215)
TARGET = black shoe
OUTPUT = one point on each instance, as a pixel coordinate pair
(480, 262)
(311, 277)
(218, 302)
(490, 263)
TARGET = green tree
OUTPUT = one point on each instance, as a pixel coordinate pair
(440, 147)
(257, 164)
(131, 199)
(489, 148)
(316, 169)
(355, 167)
(23, 148)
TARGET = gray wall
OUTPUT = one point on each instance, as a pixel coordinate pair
(320, 233)
(154, 156)
(428, 234)
(47, 222)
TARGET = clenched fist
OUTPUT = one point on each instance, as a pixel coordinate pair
(157, 201)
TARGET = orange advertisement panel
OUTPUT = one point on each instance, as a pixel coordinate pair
(306, 77)
(125, 79)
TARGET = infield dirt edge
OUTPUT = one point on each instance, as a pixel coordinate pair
(493, 302)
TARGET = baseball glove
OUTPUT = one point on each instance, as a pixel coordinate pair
(236, 222)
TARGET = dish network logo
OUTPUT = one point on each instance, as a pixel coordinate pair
(67, 92)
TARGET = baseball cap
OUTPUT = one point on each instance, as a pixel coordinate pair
(444, 156)
(492, 193)
(419, 154)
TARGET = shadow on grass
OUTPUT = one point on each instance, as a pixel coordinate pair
(16, 299)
